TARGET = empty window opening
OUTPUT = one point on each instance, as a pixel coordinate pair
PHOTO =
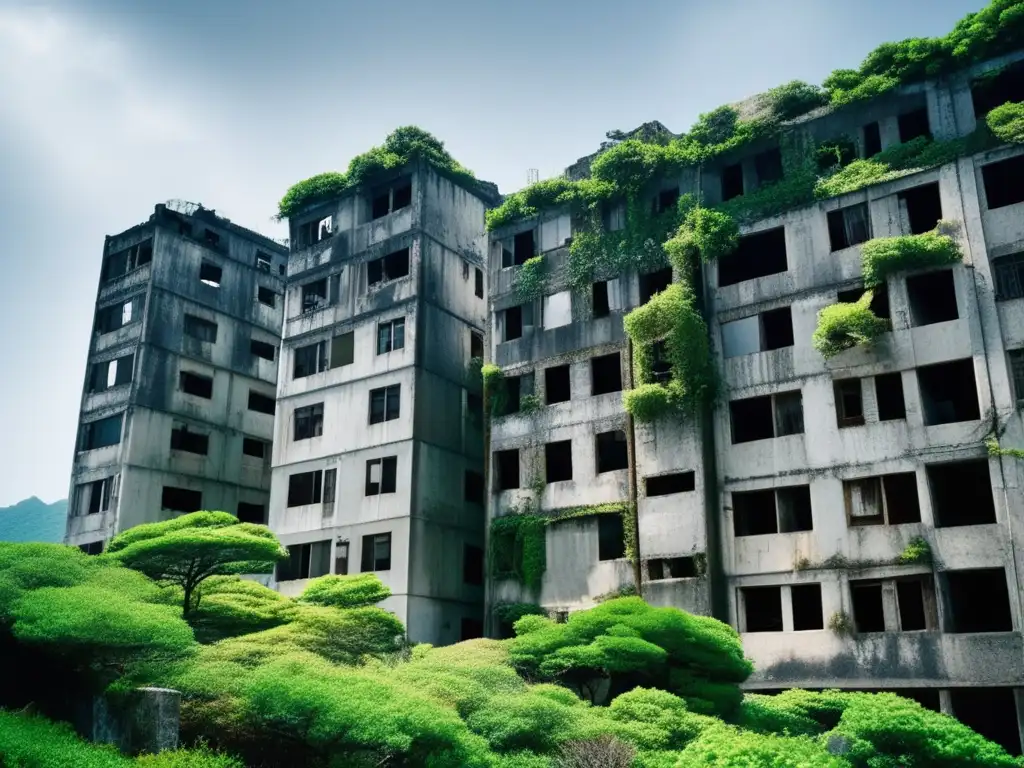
(385, 403)
(872, 140)
(654, 283)
(196, 385)
(111, 373)
(376, 553)
(914, 125)
(381, 475)
(776, 329)
(613, 216)
(754, 512)
(807, 613)
(666, 200)
(994, 89)
(762, 609)
(1004, 182)
(513, 325)
(192, 442)
(932, 297)
(211, 238)
(180, 499)
(868, 606)
(314, 295)
(470, 629)
(661, 366)
(755, 256)
(306, 561)
(506, 469)
(313, 232)
(472, 565)
(309, 422)
(921, 208)
(1009, 276)
(605, 374)
(473, 487)
(119, 315)
(252, 513)
(1016, 362)
(884, 500)
(849, 403)
(263, 262)
(556, 384)
(524, 247)
(789, 413)
(915, 604)
(672, 568)
(478, 287)
(309, 360)
(93, 498)
(92, 548)
(305, 488)
(794, 504)
(961, 493)
(612, 453)
(128, 260)
(390, 336)
(990, 712)
(979, 601)
(390, 267)
(558, 461)
(949, 392)
(752, 419)
(732, 181)
(251, 446)
(879, 299)
(201, 329)
(210, 274)
(266, 296)
(768, 166)
(262, 349)
(611, 544)
(342, 350)
(476, 344)
(889, 397)
(475, 409)
(599, 298)
(261, 403)
(666, 485)
(514, 391)
(391, 199)
(849, 226)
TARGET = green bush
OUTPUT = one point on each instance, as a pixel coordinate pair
(794, 99)
(230, 606)
(705, 233)
(1007, 122)
(518, 548)
(189, 758)
(494, 389)
(885, 256)
(525, 722)
(728, 747)
(27, 741)
(355, 591)
(531, 279)
(845, 325)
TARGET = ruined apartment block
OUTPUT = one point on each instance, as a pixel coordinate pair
(378, 461)
(784, 515)
(178, 402)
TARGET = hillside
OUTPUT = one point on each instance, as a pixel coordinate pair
(33, 520)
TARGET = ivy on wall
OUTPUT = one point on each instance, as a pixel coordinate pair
(531, 279)
(495, 394)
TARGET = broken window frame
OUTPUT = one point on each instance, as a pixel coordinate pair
(263, 262)
(248, 450)
(305, 488)
(1008, 275)
(309, 359)
(783, 524)
(882, 397)
(848, 415)
(848, 226)
(312, 232)
(94, 497)
(883, 490)
(381, 476)
(888, 590)
(135, 257)
(398, 195)
(211, 274)
(390, 336)
(749, 260)
(123, 313)
(943, 374)
(1015, 362)
(392, 266)
(666, 568)
(776, 624)
(514, 251)
(309, 560)
(108, 374)
(312, 297)
(376, 553)
(911, 207)
(385, 403)
(199, 328)
(308, 422)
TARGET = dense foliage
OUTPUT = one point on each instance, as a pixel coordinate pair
(885, 256)
(845, 325)
(356, 591)
(1007, 122)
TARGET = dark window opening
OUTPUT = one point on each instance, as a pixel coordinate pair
(923, 207)
(756, 256)
(524, 247)
(732, 181)
(1004, 182)
(1016, 361)
(661, 366)
(752, 419)
(513, 394)
(556, 384)
(849, 226)
(776, 329)
(914, 125)
(376, 553)
(470, 629)
(990, 712)
(506, 469)
(304, 488)
(342, 350)
(381, 475)
(762, 609)
(932, 297)
(309, 422)
(879, 299)
(252, 513)
(872, 140)
(889, 395)
(768, 166)
(385, 403)
(473, 487)
(789, 413)
(910, 602)
(476, 344)
(392, 199)
(478, 287)
(263, 261)
(313, 232)
(92, 548)
(807, 613)
(201, 329)
(266, 296)
(211, 238)
(98, 496)
(309, 360)
(654, 282)
(754, 513)
(210, 274)
(611, 544)
(558, 461)
(612, 453)
(868, 613)
(128, 260)
(261, 403)
(979, 601)
(390, 336)
(475, 409)
(675, 482)
(253, 447)
(390, 267)
(849, 403)
(605, 374)
(262, 349)
(306, 561)
(119, 315)
(995, 89)
(1009, 276)
(961, 493)
(472, 565)
(112, 373)
(666, 200)
(193, 384)
(180, 499)
(513, 323)
(314, 295)
(888, 499)
(901, 500)
(102, 433)
(672, 568)
(794, 503)
(949, 392)
(192, 442)
(599, 295)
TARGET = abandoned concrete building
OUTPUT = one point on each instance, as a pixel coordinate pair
(378, 458)
(852, 516)
(178, 401)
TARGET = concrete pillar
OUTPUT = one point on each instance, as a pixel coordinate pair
(1018, 700)
(946, 702)
(146, 720)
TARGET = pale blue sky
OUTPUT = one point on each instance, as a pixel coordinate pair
(106, 109)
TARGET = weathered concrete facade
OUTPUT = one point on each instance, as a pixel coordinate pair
(378, 460)
(178, 399)
(788, 508)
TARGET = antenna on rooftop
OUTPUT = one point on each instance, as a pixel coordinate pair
(532, 176)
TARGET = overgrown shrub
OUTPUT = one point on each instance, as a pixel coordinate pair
(725, 746)
(845, 325)
(27, 741)
(1007, 122)
(355, 591)
(599, 752)
(885, 256)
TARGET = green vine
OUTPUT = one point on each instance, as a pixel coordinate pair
(845, 325)
(885, 256)
(841, 623)
(992, 444)
(917, 551)
(495, 394)
(531, 279)
(1007, 122)
(529, 404)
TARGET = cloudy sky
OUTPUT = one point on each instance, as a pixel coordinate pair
(110, 106)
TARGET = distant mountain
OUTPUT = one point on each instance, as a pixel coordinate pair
(33, 520)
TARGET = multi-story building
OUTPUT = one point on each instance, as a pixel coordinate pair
(787, 509)
(178, 402)
(378, 460)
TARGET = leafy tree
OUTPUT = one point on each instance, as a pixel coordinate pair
(354, 591)
(189, 549)
(232, 606)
